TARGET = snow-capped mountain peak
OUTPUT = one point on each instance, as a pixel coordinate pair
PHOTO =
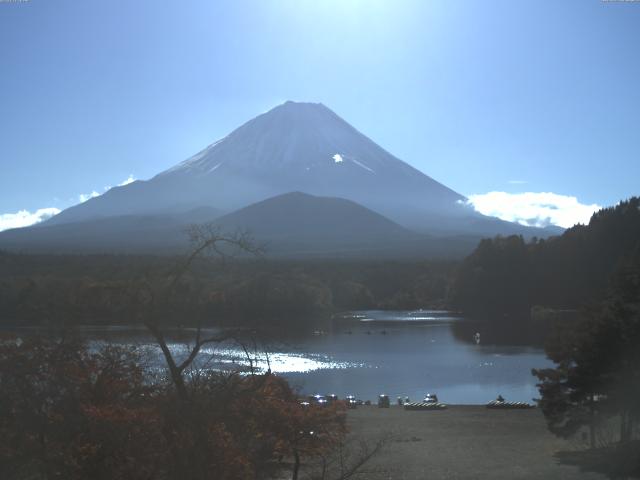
(295, 146)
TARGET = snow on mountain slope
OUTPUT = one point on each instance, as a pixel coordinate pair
(293, 147)
(297, 147)
(294, 138)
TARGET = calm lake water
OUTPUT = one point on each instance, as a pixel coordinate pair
(400, 353)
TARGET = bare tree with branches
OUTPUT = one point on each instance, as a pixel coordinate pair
(205, 400)
(207, 241)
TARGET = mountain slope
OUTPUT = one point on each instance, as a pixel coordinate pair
(123, 234)
(292, 225)
(297, 147)
(301, 225)
(301, 215)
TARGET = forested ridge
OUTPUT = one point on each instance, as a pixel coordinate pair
(503, 275)
(98, 289)
(509, 275)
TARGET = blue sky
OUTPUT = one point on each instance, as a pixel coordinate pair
(484, 96)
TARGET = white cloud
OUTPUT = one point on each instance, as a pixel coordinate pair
(517, 182)
(83, 197)
(534, 209)
(130, 179)
(24, 218)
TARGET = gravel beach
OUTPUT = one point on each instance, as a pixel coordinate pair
(462, 442)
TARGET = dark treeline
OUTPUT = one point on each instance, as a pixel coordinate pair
(594, 388)
(579, 293)
(509, 275)
(97, 289)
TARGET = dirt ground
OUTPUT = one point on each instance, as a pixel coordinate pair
(463, 442)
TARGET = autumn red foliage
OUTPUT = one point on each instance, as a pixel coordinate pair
(67, 411)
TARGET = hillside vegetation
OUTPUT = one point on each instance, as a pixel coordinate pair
(102, 289)
(509, 275)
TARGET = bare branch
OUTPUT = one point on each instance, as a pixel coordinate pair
(366, 453)
(199, 343)
(206, 239)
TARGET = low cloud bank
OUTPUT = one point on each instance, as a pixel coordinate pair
(534, 209)
(24, 218)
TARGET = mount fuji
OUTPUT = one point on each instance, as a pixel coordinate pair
(295, 147)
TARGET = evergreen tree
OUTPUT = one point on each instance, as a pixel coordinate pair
(597, 377)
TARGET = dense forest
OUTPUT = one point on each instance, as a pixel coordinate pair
(594, 387)
(509, 275)
(504, 275)
(103, 289)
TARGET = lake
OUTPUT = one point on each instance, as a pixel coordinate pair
(399, 353)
